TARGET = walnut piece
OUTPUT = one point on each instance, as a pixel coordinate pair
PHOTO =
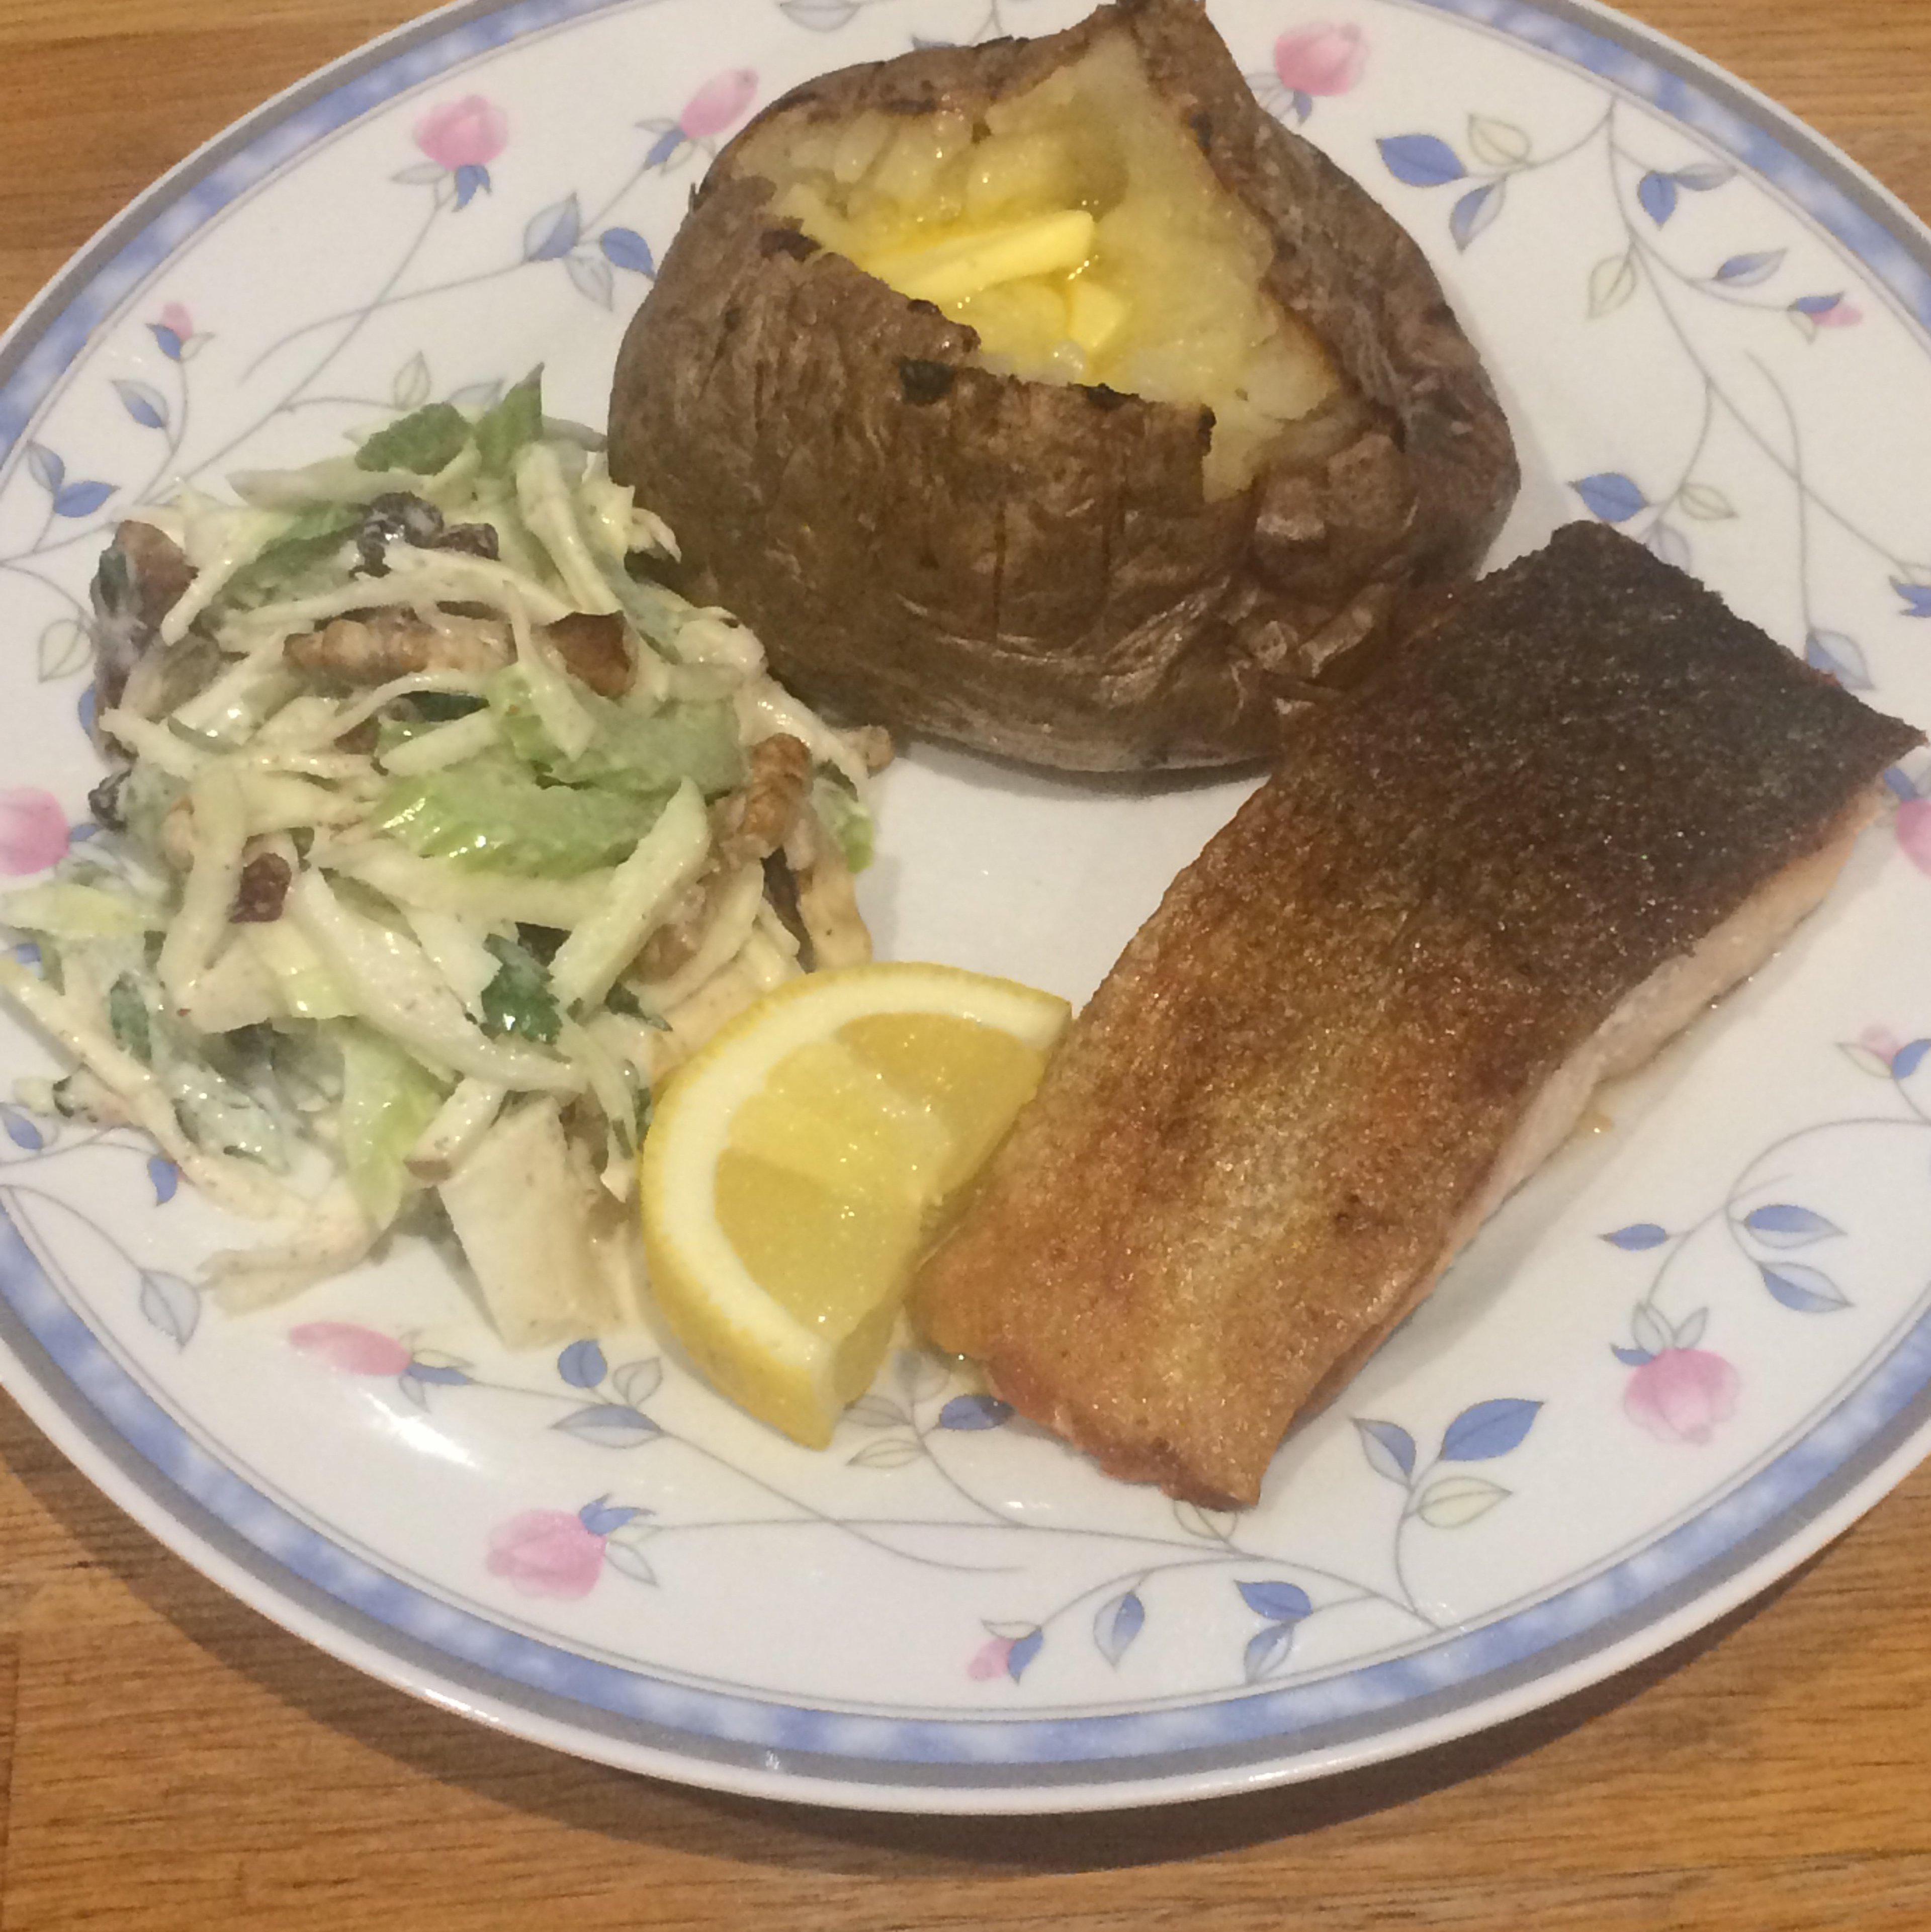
(371, 647)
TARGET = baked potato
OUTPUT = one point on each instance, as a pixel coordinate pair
(1049, 397)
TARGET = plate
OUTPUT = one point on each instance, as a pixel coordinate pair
(1691, 1351)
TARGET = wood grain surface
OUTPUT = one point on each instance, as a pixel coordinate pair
(169, 1759)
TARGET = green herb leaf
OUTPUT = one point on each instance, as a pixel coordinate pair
(429, 439)
(314, 536)
(127, 1017)
(518, 1001)
(503, 432)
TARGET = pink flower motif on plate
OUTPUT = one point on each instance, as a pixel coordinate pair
(718, 103)
(1321, 59)
(1682, 1395)
(546, 1553)
(33, 831)
(1913, 832)
(174, 316)
(346, 1346)
(1882, 1041)
(466, 134)
(990, 1659)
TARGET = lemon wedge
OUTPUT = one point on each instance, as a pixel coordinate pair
(798, 1166)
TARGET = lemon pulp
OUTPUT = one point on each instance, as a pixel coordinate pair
(798, 1166)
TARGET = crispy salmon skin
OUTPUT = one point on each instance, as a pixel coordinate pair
(1588, 798)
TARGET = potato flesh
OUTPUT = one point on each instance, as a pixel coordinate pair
(1157, 293)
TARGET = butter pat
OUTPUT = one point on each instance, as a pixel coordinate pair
(963, 267)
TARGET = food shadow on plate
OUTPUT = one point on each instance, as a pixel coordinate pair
(981, 771)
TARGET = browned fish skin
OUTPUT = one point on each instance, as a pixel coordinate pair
(1259, 1137)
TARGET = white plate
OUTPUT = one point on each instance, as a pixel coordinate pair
(1690, 1353)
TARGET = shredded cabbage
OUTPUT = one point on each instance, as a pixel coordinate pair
(379, 905)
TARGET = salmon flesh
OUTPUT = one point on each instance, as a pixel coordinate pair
(1586, 801)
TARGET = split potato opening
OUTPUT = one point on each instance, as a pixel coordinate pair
(1077, 229)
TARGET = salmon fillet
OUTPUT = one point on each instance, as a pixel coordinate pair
(1588, 799)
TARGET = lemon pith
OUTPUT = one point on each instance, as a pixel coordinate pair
(798, 1165)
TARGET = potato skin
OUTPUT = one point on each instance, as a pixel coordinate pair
(1030, 569)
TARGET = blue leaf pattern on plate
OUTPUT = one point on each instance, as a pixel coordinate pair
(1783, 1225)
(1917, 597)
(1702, 176)
(1116, 1624)
(582, 1365)
(1746, 272)
(1611, 496)
(601, 1517)
(1651, 1329)
(1666, 541)
(610, 1426)
(1389, 1448)
(1488, 1430)
(1278, 1603)
(440, 1373)
(1807, 1290)
(82, 499)
(628, 249)
(1266, 1650)
(1022, 1653)
(590, 275)
(975, 1411)
(143, 402)
(1657, 194)
(1631, 1358)
(1908, 1059)
(1638, 1236)
(1837, 656)
(21, 1130)
(552, 234)
(48, 470)
(472, 179)
(666, 145)
(167, 339)
(1421, 161)
(170, 1304)
(1475, 212)
(164, 1178)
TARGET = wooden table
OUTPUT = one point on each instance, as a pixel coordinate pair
(171, 1760)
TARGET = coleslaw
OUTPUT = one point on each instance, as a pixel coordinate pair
(438, 832)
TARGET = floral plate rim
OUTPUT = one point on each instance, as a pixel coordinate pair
(149, 1464)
